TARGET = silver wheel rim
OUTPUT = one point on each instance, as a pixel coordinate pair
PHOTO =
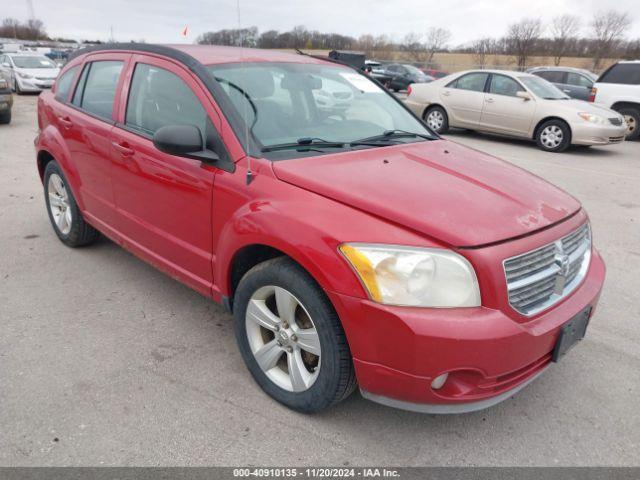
(283, 338)
(59, 205)
(551, 136)
(631, 124)
(435, 120)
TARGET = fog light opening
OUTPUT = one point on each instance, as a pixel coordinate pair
(439, 381)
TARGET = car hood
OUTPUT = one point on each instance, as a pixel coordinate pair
(40, 72)
(452, 193)
(579, 106)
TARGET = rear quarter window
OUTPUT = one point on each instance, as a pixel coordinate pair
(63, 84)
(622, 73)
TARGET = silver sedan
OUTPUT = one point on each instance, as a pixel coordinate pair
(514, 104)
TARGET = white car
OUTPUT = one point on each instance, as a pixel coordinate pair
(333, 97)
(618, 88)
(27, 72)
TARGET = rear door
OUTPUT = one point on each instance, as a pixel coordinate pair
(164, 202)
(85, 120)
(504, 111)
(464, 98)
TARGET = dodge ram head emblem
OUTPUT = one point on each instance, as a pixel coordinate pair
(562, 261)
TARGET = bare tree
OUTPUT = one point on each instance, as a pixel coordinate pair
(608, 29)
(564, 31)
(412, 44)
(522, 38)
(436, 40)
(481, 49)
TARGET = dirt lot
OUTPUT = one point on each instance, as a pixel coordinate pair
(106, 361)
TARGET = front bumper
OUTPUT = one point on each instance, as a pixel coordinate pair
(34, 84)
(585, 133)
(399, 351)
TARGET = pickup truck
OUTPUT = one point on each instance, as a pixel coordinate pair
(618, 88)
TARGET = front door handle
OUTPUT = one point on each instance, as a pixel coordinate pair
(124, 148)
(446, 93)
(566, 91)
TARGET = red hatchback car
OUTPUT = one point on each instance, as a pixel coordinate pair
(353, 245)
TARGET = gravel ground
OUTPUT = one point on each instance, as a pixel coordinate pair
(106, 361)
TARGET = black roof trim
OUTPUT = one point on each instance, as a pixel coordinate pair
(198, 69)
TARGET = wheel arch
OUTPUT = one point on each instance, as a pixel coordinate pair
(623, 104)
(433, 105)
(546, 119)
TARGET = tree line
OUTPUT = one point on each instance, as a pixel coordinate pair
(602, 37)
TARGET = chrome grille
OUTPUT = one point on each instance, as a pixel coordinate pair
(539, 278)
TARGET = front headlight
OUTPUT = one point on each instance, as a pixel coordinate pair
(590, 117)
(413, 276)
(23, 75)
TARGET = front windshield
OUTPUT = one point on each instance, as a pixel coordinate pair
(33, 61)
(541, 88)
(282, 103)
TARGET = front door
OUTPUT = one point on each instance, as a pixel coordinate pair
(164, 202)
(504, 111)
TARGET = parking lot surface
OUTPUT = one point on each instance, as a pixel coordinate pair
(106, 361)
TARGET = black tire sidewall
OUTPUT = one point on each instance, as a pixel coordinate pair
(71, 238)
(566, 136)
(285, 273)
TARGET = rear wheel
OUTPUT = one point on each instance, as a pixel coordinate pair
(437, 119)
(632, 117)
(553, 136)
(291, 338)
(65, 216)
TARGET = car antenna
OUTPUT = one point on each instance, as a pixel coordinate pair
(246, 125)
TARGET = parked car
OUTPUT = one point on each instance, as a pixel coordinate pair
(355, 250)
(575, 82)
(514, 104)
(377, 71)
(403, 75)
(6, 102)
(27, 72)
(333, 97)
(435, 73)
(618, 88)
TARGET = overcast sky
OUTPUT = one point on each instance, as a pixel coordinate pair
(163, 21)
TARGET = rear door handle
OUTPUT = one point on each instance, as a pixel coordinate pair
(66, 122)
(489, 100)
(124, 149)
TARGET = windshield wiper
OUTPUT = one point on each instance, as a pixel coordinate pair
(387, 136)
(304, 143)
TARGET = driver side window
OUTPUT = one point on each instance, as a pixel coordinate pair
(503, 85)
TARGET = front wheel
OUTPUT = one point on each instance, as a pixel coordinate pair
(553, 136)
(65, 216)
(437, 119)
(290, 337)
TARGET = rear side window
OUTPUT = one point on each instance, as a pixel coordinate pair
(552, 76)
(63, 84)
(160, 98)
(503, 85)
(472, 81)
(624, 73)
(578, 80)
(97, 88)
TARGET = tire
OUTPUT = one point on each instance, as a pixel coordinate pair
(632, 117)
(320, 380)
(5, 117)
(553, 136)
(436, 119)
(16, 87)
(64, 214)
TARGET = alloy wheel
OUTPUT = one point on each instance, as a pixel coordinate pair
(283, 338)
(59, 204)
(552, 136)
(435, 120)
(631, 124)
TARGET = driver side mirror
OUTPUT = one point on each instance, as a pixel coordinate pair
(183, 141)
(523, 95)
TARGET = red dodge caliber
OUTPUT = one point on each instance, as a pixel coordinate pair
(353, 245)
